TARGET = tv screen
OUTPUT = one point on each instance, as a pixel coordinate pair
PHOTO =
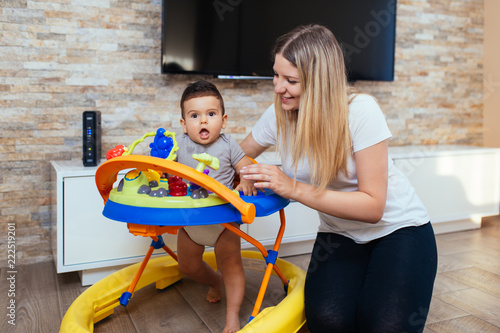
(234, 38)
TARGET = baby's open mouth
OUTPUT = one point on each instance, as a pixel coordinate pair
(204, 134)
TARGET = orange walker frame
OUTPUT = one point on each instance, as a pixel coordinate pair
(106, 176)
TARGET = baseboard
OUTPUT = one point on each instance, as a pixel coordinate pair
(455, 226)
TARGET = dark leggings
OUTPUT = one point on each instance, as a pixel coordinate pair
(382, 286)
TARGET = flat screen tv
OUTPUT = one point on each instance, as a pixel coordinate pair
(234, 38)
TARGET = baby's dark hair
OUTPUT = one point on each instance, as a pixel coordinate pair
(201, 88)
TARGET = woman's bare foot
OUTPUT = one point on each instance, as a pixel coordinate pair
(232, 323)
(214, 294)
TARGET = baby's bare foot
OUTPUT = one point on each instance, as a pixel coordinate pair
(214, 294)
(232, 323)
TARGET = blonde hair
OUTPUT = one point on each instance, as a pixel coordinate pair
(320, 129)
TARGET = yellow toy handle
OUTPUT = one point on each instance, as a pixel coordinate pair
(106, 176)
(136, 142)
(170, 156)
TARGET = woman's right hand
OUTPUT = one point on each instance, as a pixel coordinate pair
(269, 176)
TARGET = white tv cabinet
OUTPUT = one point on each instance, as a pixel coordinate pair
(458, 184)
(84, 240)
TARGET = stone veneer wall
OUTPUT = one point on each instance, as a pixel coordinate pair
(59, 58)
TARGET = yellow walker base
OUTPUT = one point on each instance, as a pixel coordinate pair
(99, 300)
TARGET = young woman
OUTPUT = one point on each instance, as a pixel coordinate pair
(374, 261)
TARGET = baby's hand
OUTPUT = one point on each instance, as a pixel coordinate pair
(246, 186)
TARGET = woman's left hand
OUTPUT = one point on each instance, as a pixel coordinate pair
(269, 176)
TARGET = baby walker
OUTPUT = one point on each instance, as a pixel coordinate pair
(152, 205)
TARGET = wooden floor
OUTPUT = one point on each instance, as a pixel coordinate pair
(466, 295)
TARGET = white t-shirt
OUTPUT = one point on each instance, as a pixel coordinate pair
(368, 127)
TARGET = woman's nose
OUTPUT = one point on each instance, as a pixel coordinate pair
(278, 87)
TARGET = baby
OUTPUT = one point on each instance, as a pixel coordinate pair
(203, 118)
